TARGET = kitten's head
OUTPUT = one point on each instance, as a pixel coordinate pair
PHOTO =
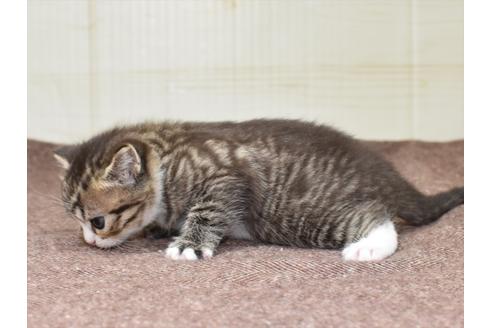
(110, 188)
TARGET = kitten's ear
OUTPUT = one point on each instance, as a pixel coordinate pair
(64, 155)
(125, 166)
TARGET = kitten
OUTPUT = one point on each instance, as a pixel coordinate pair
(277, 181)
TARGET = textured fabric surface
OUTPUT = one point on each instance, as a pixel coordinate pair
(247, 284)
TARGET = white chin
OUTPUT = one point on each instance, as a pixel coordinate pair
(108, 243)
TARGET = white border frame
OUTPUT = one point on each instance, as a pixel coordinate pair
(478, 172)
(13, 104)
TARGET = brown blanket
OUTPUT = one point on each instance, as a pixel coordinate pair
(246, 284)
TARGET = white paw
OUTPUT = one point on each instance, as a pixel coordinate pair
(363, 253)
(207, 253)
(173, 253)
(380, 243)
(188, 254)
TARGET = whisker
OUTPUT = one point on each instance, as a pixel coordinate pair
(50, 198)
(129, 246)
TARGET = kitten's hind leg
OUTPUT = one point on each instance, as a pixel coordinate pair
(379, 243)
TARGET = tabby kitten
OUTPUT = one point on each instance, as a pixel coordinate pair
(277, 181)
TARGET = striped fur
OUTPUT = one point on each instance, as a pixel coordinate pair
(277, 181)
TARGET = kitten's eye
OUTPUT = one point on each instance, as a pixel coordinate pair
(98, 222)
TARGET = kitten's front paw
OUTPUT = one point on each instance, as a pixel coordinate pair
(178, 250)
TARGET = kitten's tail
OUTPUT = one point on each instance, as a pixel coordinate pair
(418, 209)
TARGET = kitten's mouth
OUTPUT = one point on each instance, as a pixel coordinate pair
(107, 243)
(103, 243)
(95, 240)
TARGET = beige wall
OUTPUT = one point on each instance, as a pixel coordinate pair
(377, 69)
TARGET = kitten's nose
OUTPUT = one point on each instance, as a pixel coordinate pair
(92, 242)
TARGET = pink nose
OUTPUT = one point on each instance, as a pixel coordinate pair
(92, 242)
